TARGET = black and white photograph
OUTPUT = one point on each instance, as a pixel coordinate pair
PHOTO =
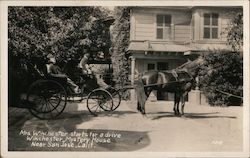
(130, 79)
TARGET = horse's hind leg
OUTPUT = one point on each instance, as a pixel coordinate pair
(147, 93)
(176, 103)
(183, 102)
(142, 97)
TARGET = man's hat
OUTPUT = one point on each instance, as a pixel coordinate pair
(87, 55)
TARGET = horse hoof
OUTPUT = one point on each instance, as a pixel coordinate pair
(183, 116)
(175, 113)
(144, 116)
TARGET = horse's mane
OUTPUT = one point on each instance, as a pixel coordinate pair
(188, 64)
(184, 65)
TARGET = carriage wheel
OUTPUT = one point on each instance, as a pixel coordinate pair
(49, 99)
(99, 101)
(116, 96)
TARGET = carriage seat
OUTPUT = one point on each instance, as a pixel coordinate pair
(61, 79)
(56, 75)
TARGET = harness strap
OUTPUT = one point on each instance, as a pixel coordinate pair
(174, 73)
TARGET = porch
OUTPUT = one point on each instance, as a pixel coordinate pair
(147, 56)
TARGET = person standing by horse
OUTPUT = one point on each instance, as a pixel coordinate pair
(87, 70)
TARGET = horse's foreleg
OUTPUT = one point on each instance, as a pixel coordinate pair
(183, 102)
(138, 106)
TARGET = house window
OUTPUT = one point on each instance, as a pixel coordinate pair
(151, 66)
(162, 66)
(163, 30)
(211, 26)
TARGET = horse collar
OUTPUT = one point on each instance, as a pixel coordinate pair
(174, 73)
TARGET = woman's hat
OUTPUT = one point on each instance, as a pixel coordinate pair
(51, 58)
(87, 55)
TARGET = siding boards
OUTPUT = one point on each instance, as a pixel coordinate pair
(182, 33)
(139, 25)
(182, 27)
(144, 26)
(146, 30)
(182, 39)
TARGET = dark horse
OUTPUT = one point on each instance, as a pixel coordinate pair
(179, 81)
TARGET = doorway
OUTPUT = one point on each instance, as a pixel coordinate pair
(161, 66)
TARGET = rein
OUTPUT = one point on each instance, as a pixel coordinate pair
(229, 94)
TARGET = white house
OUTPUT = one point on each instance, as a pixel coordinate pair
(162, 38)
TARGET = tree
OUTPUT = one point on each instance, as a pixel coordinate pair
(34, 32)
(62, 31)
(120, 42)
(235, 32)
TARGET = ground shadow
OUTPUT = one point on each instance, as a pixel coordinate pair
(16, 119)
(160, 115)
(200, 116)
(115, 114)
(22, 120)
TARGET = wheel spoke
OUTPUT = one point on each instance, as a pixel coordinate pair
(94, 106)
(48, 106)
(52, 105)
(97, 107)
(42, 105)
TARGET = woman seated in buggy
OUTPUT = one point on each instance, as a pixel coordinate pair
(55, 71)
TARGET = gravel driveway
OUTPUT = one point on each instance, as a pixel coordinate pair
(203, 128)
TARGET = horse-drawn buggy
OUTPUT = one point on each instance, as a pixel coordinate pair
(48, 95)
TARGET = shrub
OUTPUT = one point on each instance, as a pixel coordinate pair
(222, 72)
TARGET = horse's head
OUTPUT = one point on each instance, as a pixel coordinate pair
(192, 67)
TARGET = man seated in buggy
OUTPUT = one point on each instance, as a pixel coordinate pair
(55, 71)
(87, 70)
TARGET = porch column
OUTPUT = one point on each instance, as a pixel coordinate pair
(132, 70)
(195, 95)
(197, 82)
(133, 97)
